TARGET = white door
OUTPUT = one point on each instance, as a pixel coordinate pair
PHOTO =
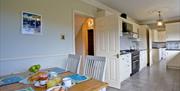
(107, 43)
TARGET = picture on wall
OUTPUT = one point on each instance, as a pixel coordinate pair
(31, 23)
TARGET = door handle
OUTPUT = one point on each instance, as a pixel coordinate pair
(117, 55)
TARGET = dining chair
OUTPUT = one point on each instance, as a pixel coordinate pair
(73, 63)
(95, 67)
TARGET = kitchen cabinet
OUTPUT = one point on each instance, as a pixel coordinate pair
(151, 57)
(162, 36)
(155, 36)
(143, 37)
(159, 54)
(155, 55)
(162, 54)
(133, 28)
(143, 59)
(136, 28)
(159, 36)
(173, 31)
(125, 67)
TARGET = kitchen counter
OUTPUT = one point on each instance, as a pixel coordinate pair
(142, 49)
(172, 49)
(123, 53)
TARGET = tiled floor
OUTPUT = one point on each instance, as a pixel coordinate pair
(154, 78)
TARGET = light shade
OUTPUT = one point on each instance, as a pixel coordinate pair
(159, 23)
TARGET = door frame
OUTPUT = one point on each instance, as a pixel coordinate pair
(73, 28)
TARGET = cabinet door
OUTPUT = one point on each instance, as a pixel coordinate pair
(143, 59)
(155, 36)
(162, 36)
(125, 66)
(135, 28)
(143, 37)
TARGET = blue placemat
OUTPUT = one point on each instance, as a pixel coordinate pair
(10, 80)
(57, 70)
(77, 78)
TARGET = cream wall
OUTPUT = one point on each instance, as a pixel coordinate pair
(18, 51)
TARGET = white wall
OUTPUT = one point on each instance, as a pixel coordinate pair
(18, 51)
(126, 43)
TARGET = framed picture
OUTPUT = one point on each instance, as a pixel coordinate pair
(31, 23)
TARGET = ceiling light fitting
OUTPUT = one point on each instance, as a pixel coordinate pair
(160, 20)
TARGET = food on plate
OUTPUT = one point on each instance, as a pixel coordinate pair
(51, 83)
(57, 79)
(38, 76)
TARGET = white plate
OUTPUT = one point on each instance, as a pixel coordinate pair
(53, 88)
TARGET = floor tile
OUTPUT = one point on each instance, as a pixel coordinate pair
(154, 78)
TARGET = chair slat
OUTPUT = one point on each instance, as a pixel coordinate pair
(73, 63)
(95, 67)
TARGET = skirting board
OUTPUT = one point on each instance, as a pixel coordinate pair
(173, 67)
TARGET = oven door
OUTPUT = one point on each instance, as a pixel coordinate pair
(135, 66)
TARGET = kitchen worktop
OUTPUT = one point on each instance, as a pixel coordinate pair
(172, 49)
(123, 52)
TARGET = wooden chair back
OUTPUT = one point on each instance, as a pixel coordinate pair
(73, 63)
(95, 67)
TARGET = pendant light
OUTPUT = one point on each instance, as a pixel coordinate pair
(160, 20)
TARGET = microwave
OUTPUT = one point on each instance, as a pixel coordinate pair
(127, 27)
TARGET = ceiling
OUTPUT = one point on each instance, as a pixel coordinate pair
(144, 10)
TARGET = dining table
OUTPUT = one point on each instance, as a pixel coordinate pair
(88, 85)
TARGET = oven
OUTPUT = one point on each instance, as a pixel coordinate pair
(135, 62)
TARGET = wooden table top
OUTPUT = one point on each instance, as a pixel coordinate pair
(89, 85)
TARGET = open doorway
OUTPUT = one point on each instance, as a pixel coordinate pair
(84, 34)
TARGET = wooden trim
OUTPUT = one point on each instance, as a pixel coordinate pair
(173, 67)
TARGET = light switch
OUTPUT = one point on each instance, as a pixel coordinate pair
(62, 36)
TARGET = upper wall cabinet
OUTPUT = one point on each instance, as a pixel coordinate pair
(173, 31)
(162, 36)
(130, 28)
(155, 36)
(159, 36)
(143, 37)
(136, 29)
